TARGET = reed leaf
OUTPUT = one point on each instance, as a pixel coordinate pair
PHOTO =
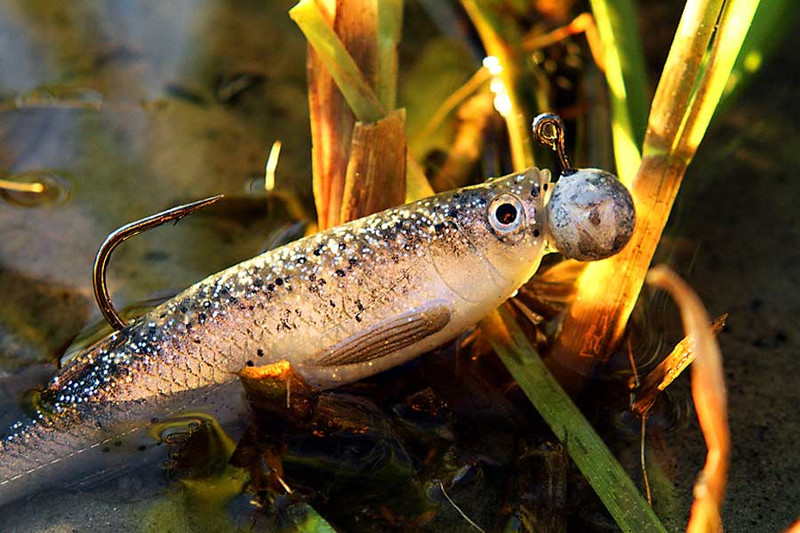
(625, 73)
(683, 105)
(601, 469)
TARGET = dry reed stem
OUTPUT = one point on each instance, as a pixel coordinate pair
(710, 400)
(376, 173)
(550, 291)
(681, 69)
(670, 368)
(608, 289)
(331, 128)
(352, 76)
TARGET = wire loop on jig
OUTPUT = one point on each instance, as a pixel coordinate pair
(548, 130)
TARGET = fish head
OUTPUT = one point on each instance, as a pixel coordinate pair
(496, 234)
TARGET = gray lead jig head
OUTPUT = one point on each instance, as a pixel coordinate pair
(590, 214)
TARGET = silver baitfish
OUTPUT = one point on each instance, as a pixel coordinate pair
(339, 306)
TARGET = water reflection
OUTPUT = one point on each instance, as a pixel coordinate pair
(119, 109)
(32, 189)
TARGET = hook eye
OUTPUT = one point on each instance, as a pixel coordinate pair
(548, 130)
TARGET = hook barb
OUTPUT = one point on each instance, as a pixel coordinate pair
(124, 233)
(548, 130)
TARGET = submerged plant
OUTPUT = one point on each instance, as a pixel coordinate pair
(651, 155)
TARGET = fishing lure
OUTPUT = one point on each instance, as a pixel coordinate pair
(338, 306)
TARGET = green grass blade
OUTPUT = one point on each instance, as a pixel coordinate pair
(390, 24)
(626, 76)
(604, 473)
(355, 88)
(732, 29)
(307, 520)
(678, 79)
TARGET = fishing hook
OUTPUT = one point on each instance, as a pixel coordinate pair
(124, 233)
(548, 130)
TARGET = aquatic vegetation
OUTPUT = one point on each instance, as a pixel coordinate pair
(414, 438)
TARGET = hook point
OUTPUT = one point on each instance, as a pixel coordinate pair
(122, 234)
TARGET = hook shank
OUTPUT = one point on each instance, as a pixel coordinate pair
(124, 233)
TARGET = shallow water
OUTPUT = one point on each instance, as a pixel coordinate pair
(164, 103)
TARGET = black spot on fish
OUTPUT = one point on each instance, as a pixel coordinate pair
(353, 261)
(340, 273)
(318, 251)
(271, 287)
(536, 233)
(535, 190)
(544, 186)
(250, 363)
(201, 318)
(333, 304)
(279, 282)
(183, 309)
(342, 246)
(301, 260)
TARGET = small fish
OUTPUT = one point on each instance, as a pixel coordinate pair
(339, 306)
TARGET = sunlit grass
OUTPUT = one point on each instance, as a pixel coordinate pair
(651, 157)
(585, 447)
(684, 102)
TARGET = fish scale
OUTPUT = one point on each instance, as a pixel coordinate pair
(339, 306)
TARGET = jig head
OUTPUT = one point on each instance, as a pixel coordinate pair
(590, 214)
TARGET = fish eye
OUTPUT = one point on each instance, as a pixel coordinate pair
(505, 214)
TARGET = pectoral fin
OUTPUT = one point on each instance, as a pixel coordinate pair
(387, 337)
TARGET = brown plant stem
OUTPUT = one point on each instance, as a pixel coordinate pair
(608, 290)
(710, 400)
(377, 153)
